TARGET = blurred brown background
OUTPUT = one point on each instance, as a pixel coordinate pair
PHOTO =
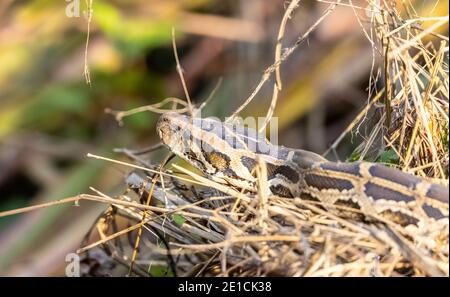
(50, 117)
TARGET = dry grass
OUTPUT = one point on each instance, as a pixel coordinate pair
(408, 94)
(216, 230)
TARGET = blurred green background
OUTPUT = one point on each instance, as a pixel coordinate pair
(50, 118)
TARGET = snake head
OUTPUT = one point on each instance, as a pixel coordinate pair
(197, 140)
(176, 132)
(172, 129)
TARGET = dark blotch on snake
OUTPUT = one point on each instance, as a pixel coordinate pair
(193, 158)
(349, 213)
(433, 212)
(230, 173)
(326, 182)
(281, 191)
(284, 171)
(399, 218)
(438, 192)
(351, 168)
(378, 192)
(249, 163)
(309, 197)
(218, 160)
(347, 203)
(397, 176)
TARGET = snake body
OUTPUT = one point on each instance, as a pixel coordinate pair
(228, 153)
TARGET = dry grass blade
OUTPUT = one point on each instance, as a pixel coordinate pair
(272, 68)
(278, 84)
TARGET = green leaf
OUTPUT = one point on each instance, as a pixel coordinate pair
(444, 136)
(178, 219)
(354, 156)
(160, 271)
(388, 157)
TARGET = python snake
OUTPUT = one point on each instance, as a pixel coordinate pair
(228, 153)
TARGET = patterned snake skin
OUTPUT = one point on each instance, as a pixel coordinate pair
(228, 154)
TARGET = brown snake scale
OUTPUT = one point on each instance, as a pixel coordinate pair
(228, 154)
